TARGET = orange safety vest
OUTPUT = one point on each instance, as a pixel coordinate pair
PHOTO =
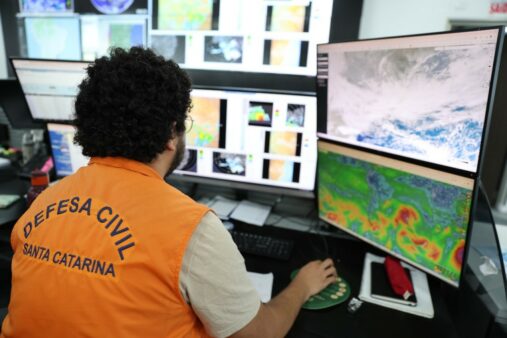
(99, 255)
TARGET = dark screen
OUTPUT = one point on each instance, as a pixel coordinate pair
(14, 105)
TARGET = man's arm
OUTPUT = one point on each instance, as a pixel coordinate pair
(274, 319)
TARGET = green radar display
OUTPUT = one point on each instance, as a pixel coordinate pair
(415, 213)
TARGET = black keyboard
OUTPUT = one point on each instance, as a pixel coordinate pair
(260, 245)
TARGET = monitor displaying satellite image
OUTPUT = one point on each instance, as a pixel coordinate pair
(46, 6)
(417, 214)
(53, 38)
(423, 97)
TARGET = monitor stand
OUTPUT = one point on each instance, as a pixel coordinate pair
(424, 304)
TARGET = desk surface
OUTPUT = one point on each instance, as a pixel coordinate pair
(11, 184)
(370, 320)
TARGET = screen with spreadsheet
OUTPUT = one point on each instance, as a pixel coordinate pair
(50, 87)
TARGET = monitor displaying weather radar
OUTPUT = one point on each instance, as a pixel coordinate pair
(417, 214)
(261, 139)
(422, 97)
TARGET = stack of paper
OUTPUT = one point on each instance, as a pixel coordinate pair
(263, 283)
(223, 206)
(251, 213)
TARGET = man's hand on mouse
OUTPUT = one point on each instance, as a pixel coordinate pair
(316, 276)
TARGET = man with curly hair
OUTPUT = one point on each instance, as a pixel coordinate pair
(115, 251)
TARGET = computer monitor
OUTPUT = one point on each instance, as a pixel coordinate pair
(418, 214)
(421, 97)
(67, 156)
(101, 32)
(12, 102)
(242, 35)
(262, 139)
(50, 87)
(38, 6)
(243, 139)
(52, 37)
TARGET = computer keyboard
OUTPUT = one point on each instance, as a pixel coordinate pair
(261, 245)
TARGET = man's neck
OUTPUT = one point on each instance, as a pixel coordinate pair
(160, 164)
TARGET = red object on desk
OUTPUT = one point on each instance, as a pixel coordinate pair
(40, 181)
(398, 278)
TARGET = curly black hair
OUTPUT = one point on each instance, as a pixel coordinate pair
(131, 103)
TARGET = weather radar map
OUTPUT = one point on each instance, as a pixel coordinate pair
(417, 218)
(426, 102)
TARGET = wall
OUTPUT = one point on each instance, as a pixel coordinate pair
(3, 60)
(401, 17)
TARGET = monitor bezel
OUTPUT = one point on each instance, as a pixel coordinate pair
(489, 105)
(304, 193)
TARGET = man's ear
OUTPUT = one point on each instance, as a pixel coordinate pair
(171, 144)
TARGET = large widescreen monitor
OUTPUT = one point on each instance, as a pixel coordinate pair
(415, 213)
(266, 139)
(420, 97)
(242, 35)
(50, 87)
